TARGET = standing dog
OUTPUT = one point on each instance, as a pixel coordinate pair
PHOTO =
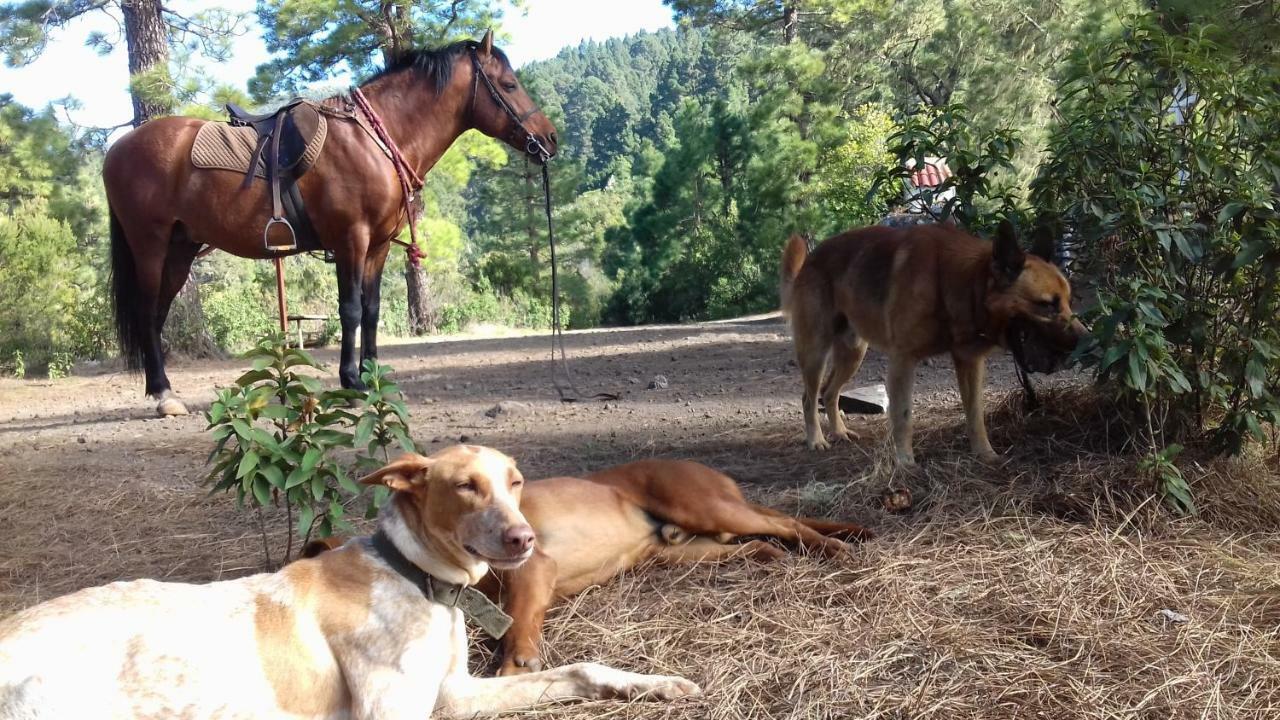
(592, 529)
(913, 293)
(372, 630)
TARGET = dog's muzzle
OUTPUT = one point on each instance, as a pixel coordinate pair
(1043, 347)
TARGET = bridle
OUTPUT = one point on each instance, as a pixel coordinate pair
(533, 147)
(538, 152)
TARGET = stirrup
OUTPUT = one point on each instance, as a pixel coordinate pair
(266, 237)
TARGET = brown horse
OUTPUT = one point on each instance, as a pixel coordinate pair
(164, 210)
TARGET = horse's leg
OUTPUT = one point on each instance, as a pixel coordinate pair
(350, 266)
(177, 267)
(372, 300)
(137, 268)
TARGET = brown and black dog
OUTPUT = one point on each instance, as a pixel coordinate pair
(591, 529)
(913, 293)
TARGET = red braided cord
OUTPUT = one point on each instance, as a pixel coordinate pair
(409, 180)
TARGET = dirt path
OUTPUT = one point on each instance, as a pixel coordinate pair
(94, 489)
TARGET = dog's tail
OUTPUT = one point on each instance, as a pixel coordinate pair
(793, 257)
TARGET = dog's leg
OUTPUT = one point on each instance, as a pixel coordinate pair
(464, 696)
(971, 376)
(901, 380)
(827, 528)
(528, 593)
(847, 355)
(813, 365)
(708, 549)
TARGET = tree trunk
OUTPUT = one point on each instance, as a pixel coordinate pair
(147, 38)
(790, 19)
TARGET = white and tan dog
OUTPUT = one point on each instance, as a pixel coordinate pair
(349, 634)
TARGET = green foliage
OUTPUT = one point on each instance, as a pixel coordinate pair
(1165, 165)
(980, 188)
(17, 365)
(1170, 483)
(315, 40)
(50, 299)
(280, 438)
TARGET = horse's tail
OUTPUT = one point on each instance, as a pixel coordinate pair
(793, 257)
(125, 297)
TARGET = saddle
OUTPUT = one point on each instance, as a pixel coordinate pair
(284, 138)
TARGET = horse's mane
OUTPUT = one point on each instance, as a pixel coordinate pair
(436, 64)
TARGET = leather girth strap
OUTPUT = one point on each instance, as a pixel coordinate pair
(281, 141)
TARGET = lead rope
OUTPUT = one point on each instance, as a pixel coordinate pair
(568, 391)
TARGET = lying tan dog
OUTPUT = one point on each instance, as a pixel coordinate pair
(591, 529)
(913, 293)
(373, 630)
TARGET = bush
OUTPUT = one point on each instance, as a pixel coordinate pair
(52, 302)
(280, 438)
(1164, 164)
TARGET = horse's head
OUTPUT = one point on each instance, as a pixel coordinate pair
(501, 108)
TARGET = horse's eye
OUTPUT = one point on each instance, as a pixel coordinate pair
(509, 86)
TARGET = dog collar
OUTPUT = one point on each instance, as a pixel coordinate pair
(473, 604)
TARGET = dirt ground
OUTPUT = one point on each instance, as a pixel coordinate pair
(1036, 589)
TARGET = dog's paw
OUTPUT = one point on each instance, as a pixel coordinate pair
(610, 683)
(818, 443)
(520, 666)
(991, 458)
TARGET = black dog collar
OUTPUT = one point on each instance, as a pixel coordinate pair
(473, 604)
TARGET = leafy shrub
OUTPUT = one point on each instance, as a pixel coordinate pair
(981, 163)
(51, 301)
(280, 438)
(1165, 166)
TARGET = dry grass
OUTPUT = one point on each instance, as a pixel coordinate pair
(1029, 591)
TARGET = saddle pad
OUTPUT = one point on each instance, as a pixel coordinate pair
(221, 146)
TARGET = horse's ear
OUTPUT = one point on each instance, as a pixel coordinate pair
(1007, 257)
(486, 45)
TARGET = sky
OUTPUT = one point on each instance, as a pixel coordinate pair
(100, 84)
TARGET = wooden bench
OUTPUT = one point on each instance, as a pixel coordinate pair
(297, 321)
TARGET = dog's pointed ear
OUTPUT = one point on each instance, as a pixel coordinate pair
(407, 472)
(1043, 242)
(1007, 257)
(486, 44)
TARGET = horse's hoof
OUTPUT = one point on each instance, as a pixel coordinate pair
(170, 406)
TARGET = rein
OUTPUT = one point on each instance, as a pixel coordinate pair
(533, 148)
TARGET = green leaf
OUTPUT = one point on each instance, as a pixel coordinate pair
(253, 376)
(247, 464)
(364, 430)
(242, 429)
(275, 412)
(318, 487)
(402, 434)
(312, 384)
(310, 458)
(1255, 373)
(264, 438)
(261, 491)
(297, 476)
(306, 516)
(1249, 252)
(1229, 211)
(346, 482)
(1137, 372)
(274, 475)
